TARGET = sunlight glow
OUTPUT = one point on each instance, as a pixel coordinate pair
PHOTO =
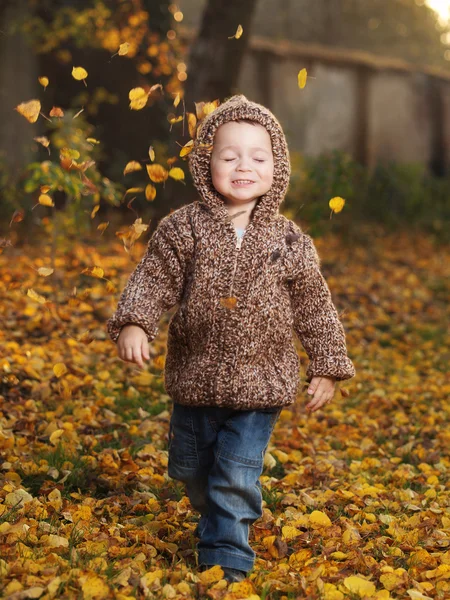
(442, 7)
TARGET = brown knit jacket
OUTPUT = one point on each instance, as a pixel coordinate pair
(240, 355)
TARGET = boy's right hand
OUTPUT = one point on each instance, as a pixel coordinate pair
(132, 345)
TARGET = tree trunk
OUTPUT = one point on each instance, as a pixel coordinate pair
(214, 62)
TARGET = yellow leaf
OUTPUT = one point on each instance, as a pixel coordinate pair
(123, 48)
(83, 513)
(94, 271)
(290, 532)
(79, 73)
(30, 110)
(45, 188)
(360, 586)
(157, 173)
(330, 592)
(416, 595)
(192, 125)
(239, 32)
(211, 575)
(19, 496)
(176, 102)
(134, 190)
(57, 540)
(150, 192)
(34, 296)
(69, 153)
(151, 153)
(351, 535)
(176, 173)
(302, 77)
(59, 369)
(92, 140)
(45, 200)
(187, 148)
(138, 98)
(94, 588)
(133, 165)
(243, 589)
(336, 204)
(173, 119)
(319, 519)
(338, 555)
(42, 140)
(43, 81)
(55, 436)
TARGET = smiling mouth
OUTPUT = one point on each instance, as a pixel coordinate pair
(242, 181)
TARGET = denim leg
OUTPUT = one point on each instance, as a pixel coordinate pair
(233, 490)
(191, 452)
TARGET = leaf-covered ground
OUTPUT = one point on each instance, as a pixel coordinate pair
(356, 496)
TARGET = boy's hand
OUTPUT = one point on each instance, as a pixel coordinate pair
(132, 345)
(322, 389)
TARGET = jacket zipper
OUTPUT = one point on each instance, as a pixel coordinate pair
(237, 248)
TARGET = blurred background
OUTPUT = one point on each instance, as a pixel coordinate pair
(372, 124)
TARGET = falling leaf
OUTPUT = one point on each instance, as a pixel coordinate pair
(44, 141)
(157, 173)
(69, 153)
(192, 124)
(92, 140)
(336, 204)
(134, 190)
(43, 81)
(176, 102)
(174, 119)
(187, 148)
(123, 48)
(176, 173)
(45, 200)
(79, 74)
(45, 188)
(239, 32)
(30, 110)
(302, 77)
(151, 153)
(150, 192)
(132, 166)
(56, 112)
(45, 271)
(138, 98)
(94, 271)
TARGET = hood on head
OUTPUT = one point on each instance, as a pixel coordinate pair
(236, 108)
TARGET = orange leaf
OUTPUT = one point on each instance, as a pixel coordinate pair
(150, 192)
(157, 173)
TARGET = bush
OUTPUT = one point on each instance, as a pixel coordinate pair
(392, 195)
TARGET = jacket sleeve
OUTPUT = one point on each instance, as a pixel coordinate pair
(316, 321)
(156, 284)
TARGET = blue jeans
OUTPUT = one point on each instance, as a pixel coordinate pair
(219, 454)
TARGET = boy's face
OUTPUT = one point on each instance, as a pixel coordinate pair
(242, 161)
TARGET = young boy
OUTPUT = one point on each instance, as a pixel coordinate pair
(244, 278)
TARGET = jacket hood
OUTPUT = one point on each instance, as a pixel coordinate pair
(236, 108)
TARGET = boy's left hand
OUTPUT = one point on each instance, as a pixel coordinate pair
(322, 389)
